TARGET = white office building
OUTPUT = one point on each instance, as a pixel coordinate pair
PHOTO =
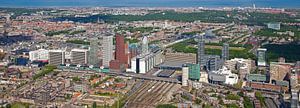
(185, 75)
(41, 55)
(107, 50)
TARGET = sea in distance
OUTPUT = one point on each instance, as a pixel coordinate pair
(151, 3)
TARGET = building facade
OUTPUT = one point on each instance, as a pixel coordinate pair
(107, 49)
(39, 55)
(225, 52)
(79, 56)
(261, 57)
(201, 52)
(56, 57)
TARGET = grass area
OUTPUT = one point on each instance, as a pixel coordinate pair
(273, 33)
(235, 50)
(290, 52)
(220, 47)
(247, 102)
(132, 40)
(107, 94)
(232, 106)
(232, 97)
(238, 85)
(76, 79)
(20, 105)
(46, 70)
(260, 97)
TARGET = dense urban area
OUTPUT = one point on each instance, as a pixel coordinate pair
(126, 57)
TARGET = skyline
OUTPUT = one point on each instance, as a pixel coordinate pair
(153, 3)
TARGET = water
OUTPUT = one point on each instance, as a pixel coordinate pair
(151, 3)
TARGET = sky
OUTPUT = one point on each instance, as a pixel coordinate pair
(151, 3)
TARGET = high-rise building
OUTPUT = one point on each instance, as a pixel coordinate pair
(133, 49)
(56, 57)
(225, 51)
(121, 55)
(143, 63)
(261, 57)
(94, 52)
(145, 48)
(185, 75)
(107, 49)
(201, 52)
(194, 71)
(213, 62)
(79, 56)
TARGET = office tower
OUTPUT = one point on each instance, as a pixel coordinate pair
(107, 49)
(194, 71)
(145, 45)
(121, 56)
(133, 49)
(225, 51)
(213, 62)
(56, 57)
(94, 52)
(261, 57)
(185, 75)
(79, 56)
(201, 52)
(144, 63)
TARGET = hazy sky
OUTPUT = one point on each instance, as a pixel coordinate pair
(151, 3)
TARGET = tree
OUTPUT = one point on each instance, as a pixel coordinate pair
(94, 105)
